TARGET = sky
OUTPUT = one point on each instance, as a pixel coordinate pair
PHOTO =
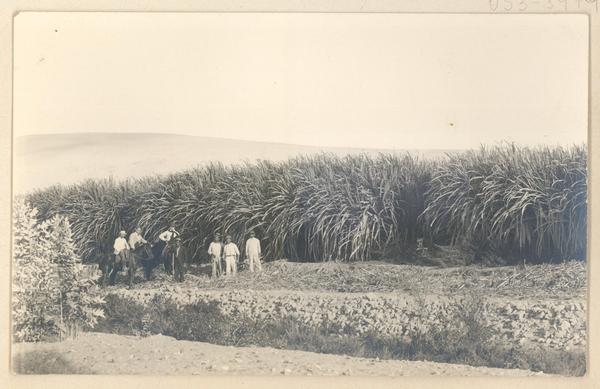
(348, 80)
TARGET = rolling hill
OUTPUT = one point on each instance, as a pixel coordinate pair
(44, 160)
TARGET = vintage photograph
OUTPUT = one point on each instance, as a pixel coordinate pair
(299, 194)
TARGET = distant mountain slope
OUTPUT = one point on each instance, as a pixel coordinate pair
(43, 160)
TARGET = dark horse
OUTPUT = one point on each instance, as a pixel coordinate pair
(159, 249)
(106, 264)
(174, 259)
(148, 256)
(152, 255)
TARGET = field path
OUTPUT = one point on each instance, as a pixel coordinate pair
(157, 355)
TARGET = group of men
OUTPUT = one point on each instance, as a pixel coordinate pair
(121, 244)
(229, 254)
(224, 257)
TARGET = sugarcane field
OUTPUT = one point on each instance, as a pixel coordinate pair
(282, 214)
(356, 256)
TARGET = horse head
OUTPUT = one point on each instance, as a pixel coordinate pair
(144, 250)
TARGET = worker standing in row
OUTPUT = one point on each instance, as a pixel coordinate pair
(229, 254)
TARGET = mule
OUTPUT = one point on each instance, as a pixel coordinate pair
(106, 264)
(125, 258)
(148, 257)
(160, 253)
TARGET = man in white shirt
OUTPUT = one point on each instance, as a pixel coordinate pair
(120, 243)
(121, 249)
(166, 236)
(231, 253)
(253, 252)
(136, 238)
(214, 251)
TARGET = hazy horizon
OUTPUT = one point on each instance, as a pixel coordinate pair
(225, 139)
(141, 133)
(42, 160)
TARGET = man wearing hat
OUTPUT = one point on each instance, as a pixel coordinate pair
(164, 238)
(136, 238)
(214, 251)
(231, 253)
(121, 252)
(177, 257)
(253, 252)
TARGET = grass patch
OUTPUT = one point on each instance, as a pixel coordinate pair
(122, 317)
(45, 362)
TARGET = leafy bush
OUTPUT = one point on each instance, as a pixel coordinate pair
(123, 317)
(78, 306)
(50, 295)
(33, 289)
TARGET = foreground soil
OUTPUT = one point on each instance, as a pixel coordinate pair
(537, 309)
(535, 304)
(96, 353)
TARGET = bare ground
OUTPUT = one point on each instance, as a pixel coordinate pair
(97, 353)
(563, 281)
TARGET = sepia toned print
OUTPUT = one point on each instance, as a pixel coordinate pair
(304, 196)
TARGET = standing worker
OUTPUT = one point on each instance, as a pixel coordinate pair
(178, 257)
(165, 237)
(253, 252)
(214, 251)
(231, 253)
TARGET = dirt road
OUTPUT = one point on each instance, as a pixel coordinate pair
(115, 354)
